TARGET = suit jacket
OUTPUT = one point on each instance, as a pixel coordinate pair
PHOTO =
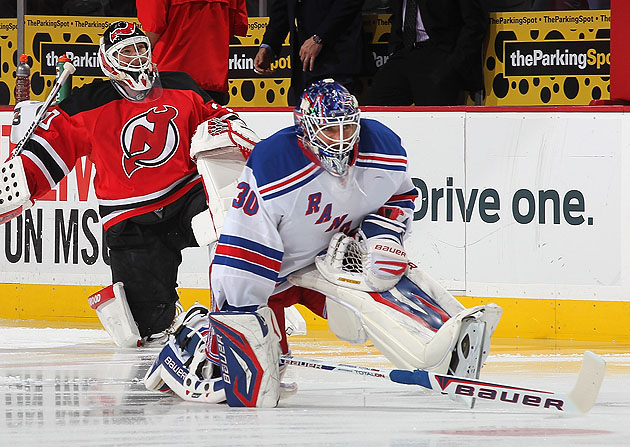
(458, 27)
(337, 22)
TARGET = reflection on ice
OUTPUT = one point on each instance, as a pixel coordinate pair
(61, 387)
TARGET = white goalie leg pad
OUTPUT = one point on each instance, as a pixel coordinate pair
(14, 192)
(390, 322)
(345, 322)
(203, 228)
(249, 351)
(113, 310)
(435, 290)
(219, 170)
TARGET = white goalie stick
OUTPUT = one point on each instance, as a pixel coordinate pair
(68, 69)
(579, 401)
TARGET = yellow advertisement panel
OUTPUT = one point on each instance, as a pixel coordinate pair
(48, 37)
(248, 89)
(547, 58)
(8, 59)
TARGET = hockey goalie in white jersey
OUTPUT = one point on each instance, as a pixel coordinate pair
(319, 219)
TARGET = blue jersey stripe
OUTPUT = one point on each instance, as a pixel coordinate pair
(381, 166)
(251, 245)
(239, 264)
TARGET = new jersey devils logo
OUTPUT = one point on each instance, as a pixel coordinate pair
(127, 30)
(150, 139)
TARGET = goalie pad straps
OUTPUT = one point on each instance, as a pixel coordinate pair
(14, 192)
(113, 310)
(249, 351)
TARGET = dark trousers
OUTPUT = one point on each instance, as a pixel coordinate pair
(416, 76)
(300, 81)
(145, 254)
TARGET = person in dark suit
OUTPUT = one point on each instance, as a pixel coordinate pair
(436, 53)
(326, 42)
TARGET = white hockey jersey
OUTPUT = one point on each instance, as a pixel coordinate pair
(288, 209)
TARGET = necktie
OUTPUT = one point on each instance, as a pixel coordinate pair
(409, 28)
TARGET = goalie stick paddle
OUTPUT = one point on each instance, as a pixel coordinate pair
(579, 401)
(68, 69)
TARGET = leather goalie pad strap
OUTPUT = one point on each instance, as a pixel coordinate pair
(249, 351)
(174, 370)
(14, 192)
(404, 323)
(113, 310)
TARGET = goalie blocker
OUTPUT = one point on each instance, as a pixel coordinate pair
(14, 192)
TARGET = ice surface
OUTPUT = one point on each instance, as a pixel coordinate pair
(73, 387)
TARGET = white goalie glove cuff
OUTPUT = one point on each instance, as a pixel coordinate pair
(372, 265)
(386, 263)
(221, 133)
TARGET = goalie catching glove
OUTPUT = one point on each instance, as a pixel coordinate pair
(373, 260)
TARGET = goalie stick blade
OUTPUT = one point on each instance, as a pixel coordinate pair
(578, 401)
(589, 382)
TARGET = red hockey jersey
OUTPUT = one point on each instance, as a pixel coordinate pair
(140, 149)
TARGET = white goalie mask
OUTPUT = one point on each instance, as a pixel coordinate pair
(125, 58)
(327, 124)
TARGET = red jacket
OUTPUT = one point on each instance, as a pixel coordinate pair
(194, 36)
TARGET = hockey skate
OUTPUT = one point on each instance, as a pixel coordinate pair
(473, 346)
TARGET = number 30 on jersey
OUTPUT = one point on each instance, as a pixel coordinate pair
(246, 199)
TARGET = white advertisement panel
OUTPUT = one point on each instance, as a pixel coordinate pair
(435, 149)
(551, 185)
(511, 205)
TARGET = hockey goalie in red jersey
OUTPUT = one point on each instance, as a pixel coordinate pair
(136, 127)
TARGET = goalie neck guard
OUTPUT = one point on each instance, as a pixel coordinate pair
(125, 58)
(327, 126)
